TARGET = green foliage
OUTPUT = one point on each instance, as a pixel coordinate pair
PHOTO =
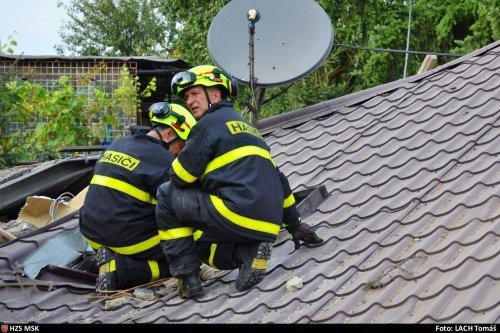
(128, 95)
(8, 47)
(484, 19)
(178, 29)
(126, 98)
(114, 28)
(7, 100)
(188, 24)
(441, 26)
(65, 122)
(445, 26)
(57, 116)
(48, 119)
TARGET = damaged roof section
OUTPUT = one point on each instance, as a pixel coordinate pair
(45, 179)
(410, 221)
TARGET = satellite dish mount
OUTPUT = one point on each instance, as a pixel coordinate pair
(253, 16)
(293, 39)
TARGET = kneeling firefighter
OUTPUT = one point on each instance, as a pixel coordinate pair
(226, 201)
(118, 214)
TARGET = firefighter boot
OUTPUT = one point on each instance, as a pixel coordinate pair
(252, 259)
(106, 280)
(190, 286)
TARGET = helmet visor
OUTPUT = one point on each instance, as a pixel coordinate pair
(182, 80)
(164, 110)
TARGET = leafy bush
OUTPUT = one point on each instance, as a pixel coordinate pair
(35, 121)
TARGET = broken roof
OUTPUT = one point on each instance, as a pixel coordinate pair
(410, 223)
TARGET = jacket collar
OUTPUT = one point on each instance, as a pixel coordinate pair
(221, 104)
(141, 132)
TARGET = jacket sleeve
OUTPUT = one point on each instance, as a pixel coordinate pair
(161, 175)
(191, 163)
(291, 216)
(158, 179)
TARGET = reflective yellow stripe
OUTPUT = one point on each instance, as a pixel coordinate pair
(123, 187)
(176, 233)
(181, 172)
(197, 234)
(259, 263)
(107, 267)
(155, 270)
(236, 154)
(289, 201)
(213, 248)
(243, 221)
(94, 245)
(131, 249)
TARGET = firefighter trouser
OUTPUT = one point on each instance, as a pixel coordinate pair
(179, 214)
(132, 272)
(139, 268)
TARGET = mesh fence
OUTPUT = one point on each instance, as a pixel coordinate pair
(85, 75)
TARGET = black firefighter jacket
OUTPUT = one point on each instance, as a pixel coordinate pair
(228, 158)
(119, 209)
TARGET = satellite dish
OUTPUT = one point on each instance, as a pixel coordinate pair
(291, 39)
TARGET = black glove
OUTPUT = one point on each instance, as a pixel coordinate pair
(304, 232)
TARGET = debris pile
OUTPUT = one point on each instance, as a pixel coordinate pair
(40, 211)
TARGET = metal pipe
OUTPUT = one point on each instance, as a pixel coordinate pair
(407, 41)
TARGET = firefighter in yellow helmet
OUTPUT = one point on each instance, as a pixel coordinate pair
(118, 215)
(226, 201)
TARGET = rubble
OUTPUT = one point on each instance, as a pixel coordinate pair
(293, 285)
(115, 302)
(13, 229)
(144, 294)
(39, 211)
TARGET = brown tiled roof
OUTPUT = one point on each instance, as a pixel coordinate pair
(411, 223)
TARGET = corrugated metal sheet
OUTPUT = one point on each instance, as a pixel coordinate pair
(411, 224)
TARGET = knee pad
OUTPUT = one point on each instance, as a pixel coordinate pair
(186, 204)
(164, 190)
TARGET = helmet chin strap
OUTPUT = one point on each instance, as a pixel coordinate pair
(173, 141)
(208, 97)
(160, 137)
(158, 133)
(165, 143)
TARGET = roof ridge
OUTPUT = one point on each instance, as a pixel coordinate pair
(300, 116)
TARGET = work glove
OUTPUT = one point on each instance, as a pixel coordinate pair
(303, 232)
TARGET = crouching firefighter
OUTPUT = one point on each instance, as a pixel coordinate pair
(226, 201)
(118, 214)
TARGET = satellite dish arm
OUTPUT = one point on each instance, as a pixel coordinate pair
(253, 16)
